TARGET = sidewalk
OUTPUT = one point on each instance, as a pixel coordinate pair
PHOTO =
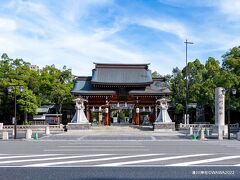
(118, 133)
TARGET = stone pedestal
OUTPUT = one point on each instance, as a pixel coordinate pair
(222, 129)
(161, 126)
(79, 126)
(163, 121)
(238, 136)
(79, 121)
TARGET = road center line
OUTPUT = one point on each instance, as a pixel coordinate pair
(94, 150)
(98, 146)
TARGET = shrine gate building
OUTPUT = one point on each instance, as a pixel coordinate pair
(116, 87)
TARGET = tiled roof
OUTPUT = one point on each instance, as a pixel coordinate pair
(85, 87)
(157, 87)
(121, 76)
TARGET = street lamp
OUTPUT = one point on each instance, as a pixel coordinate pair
(234, 91)
(186, 100)
(13, 87)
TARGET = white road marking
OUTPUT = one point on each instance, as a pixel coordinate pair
(204, 161)
(152, 160)
(26, 156)
(83, 146)
(153, 138)
(55, 158)
(113, 150)
(89, 160)
(237, 165)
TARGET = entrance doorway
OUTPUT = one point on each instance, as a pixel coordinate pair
(121, 116)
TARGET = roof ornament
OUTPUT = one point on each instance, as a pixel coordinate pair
(80, 102)
(163, 116)
(80, 116)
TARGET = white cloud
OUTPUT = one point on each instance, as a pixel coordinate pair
(169, 26)
(48, 40)
(35, 32)
(75, 9)
(229, 7)
(7, 24)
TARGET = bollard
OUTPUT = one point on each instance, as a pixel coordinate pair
(207, 132)
(191, 131)
(47, 130)
(238, 136)
(194, 136)
(36, 136)
(29, 134)
(202, 134)
(5, 135)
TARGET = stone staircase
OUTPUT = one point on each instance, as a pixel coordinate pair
(116, 128)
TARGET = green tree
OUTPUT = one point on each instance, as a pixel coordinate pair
(55, 86)
(49, 85)
(27, 103)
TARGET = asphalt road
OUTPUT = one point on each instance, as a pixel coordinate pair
(117, 156)
(111, 173)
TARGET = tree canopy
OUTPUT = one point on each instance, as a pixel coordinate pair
(48, 85)
(202, 81)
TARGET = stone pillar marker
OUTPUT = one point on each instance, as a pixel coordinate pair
(163, 121)
(220, 110)
(79, 120)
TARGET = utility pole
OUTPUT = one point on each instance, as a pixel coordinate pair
(186, 69)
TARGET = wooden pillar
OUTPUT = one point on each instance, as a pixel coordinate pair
(156, 112)
(87, 109)
(107, 118)
(134, 118)
(89, 114)
(137, 117)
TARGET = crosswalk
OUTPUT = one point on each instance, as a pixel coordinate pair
(117, 160)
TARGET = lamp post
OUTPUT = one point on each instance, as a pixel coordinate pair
(186, 100)
(233, 91)
(14, 87)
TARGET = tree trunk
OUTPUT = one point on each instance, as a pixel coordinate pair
(25, 118)
(60, 108)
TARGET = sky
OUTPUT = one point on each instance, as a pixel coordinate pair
(77, 33)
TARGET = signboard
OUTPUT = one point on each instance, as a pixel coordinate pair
(1, 126)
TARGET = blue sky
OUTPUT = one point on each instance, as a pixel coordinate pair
(77, 33)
